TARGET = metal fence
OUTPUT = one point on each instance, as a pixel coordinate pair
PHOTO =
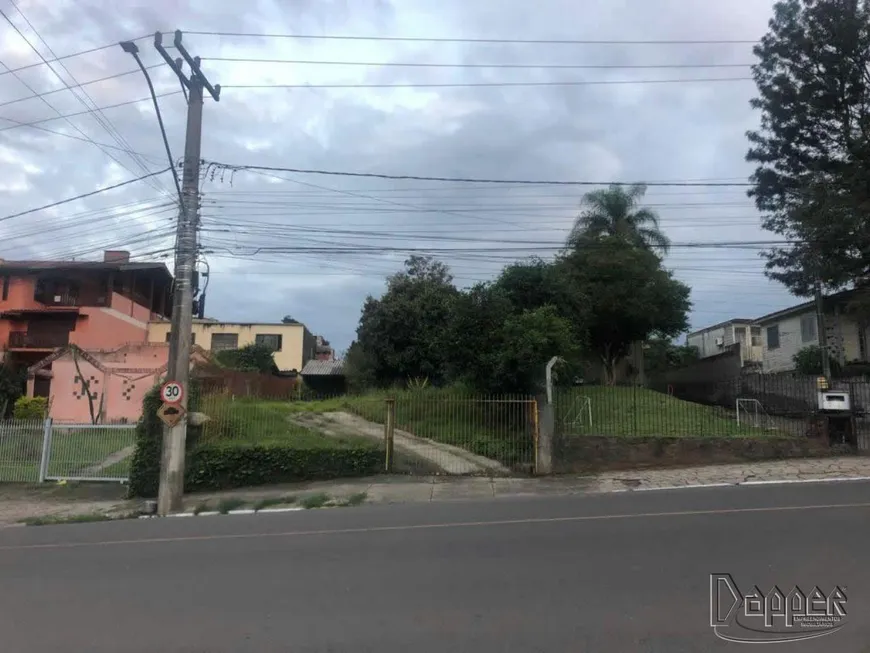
(751, 405)
(420, 432)
(33, 451)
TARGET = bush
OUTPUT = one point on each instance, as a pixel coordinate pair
(229, 465)
(30, 408)
(809, 361)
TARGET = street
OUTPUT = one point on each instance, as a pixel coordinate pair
(608, 573)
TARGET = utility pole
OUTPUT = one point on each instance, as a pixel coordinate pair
(820, 327)
(171, 490)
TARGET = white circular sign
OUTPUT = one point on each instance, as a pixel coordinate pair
(171, 392)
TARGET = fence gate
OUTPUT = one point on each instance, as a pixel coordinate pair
(426, 434)
(87, 452)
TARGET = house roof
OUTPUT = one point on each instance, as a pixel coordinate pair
(75, 266)
(736, 320)
(323, 368)
(804, 307)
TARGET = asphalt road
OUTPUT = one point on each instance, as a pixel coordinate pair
(608, 573)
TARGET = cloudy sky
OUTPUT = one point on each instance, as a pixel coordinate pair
(502, 109)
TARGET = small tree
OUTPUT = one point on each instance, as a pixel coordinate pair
(250, 358)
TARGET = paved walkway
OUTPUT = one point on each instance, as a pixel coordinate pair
(20, 501)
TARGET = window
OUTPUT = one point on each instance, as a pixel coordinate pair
(192, 337)
(5, 288)
(773, 337)
(756, 336)
(808, 328)
(270, 340)
(223, 341)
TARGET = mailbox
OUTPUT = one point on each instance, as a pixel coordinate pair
(834, 401)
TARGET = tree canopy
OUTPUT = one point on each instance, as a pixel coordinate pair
(250, 358)
(812, 150)
(588, 305)
(615, 212)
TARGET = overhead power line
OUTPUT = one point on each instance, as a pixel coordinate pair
(593, 82)
(439, 39)
(70, 56)
(84, 195)
(77, 85)
(83, 113)
(217, 166)
(520, 66)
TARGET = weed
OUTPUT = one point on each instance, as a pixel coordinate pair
(356, 499)
(314, 500)
(268, 502)
(202, 506)
(50, 520)
(230, 503)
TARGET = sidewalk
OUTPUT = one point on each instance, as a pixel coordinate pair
(19, 502)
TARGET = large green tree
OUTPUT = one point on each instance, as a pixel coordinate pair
(615, 212)
(403, 335)
(629, 296)
(812, 150)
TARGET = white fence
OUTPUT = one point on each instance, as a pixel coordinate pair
(34, 451)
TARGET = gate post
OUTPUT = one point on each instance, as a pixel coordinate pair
(544, 439)
(389, 428)
(46, 449)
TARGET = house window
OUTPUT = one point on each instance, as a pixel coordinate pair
(756, 336)
(808, 328)
(773, 337)
(270, 340)
(192, 337)
(223, 341)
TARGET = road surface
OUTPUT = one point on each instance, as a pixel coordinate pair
(606, 574)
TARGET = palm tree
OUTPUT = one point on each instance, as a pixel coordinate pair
(614, 211)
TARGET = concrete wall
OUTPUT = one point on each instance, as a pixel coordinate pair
(297, 343)
(590, 453)
(705, 341)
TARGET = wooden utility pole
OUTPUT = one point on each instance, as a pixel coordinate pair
(171, 490)
(822, 329)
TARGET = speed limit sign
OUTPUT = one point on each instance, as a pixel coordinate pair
(171, 392)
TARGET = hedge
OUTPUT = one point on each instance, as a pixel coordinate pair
(229, 465)
(30, 408)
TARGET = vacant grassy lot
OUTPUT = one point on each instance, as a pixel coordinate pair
(263, 422)
(626, 412)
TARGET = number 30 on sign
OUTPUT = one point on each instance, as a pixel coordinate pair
(171, 392)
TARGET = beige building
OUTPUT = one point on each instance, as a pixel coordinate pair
(293, 344)
(718, 338)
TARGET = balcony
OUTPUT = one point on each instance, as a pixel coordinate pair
(24, 340)
(67, 298)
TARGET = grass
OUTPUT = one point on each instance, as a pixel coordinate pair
(272, 502)
(317, 500)
(230, 503)
(627, 412)
(356, 499)
(265, 423)
(72, 451)
(50, 520)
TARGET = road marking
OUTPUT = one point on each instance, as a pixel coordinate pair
(683, 487)
(834, 479)
(415, 527)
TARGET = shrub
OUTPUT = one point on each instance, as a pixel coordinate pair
(809, 361)
(229, 465)
(30, 408)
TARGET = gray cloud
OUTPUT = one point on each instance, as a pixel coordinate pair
(631, 131)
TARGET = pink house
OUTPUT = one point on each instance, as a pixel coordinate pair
(117, 380)
(96, 305)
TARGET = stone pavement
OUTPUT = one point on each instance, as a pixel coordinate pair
(18, 502)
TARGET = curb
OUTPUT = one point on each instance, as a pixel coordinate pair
(212, 513)
(786, 481)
